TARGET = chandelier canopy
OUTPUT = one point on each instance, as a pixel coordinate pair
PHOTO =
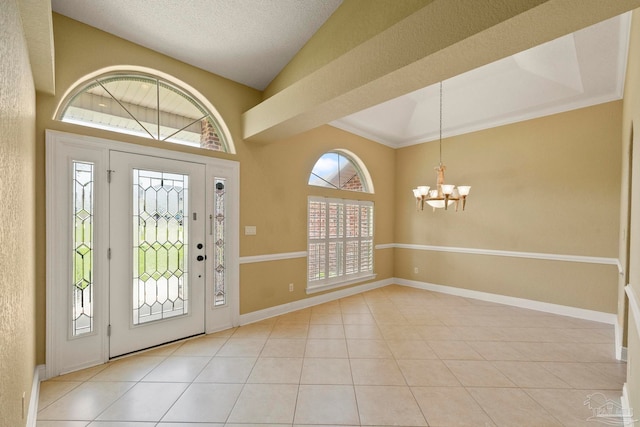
(444, 195)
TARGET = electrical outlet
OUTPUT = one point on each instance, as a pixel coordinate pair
(415, 270)
(290, 287)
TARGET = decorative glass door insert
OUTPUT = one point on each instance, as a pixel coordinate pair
(82, 257)
(160, 245)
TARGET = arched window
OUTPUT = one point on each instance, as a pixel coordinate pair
(340, 232)
(145, 104)
(342, 170)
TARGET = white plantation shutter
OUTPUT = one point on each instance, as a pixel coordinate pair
(340, 242)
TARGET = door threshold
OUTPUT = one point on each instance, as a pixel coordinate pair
(155, 347)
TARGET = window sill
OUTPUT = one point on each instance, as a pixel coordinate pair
(340, 282)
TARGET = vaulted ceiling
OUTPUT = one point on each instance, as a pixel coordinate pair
(385, 88)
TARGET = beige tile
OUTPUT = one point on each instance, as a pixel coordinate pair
(366, 332)
(454, 350)
(362, 349)
(436, 333)
(82, 375)
(164, 350)
(284, 347)
(128, 369)
(275, 370)
(354, 307)
(86, 401)
(576, 407)
(326, 348)
(326, 331)
(407, 349)
(326, 371)
(512, 407)
(326, 404)
(450, 406)
(399, 332)
(495, 350)
(529, 375)
(144, 402)
(254, 330)
(391, 318)
(227, 370)
(471, 333)
(388, 405)
(122, 424)
(476, 373)
(200, 347)
(596, 376)
(50, 391)
(163, 424)
(376, 372)
(295, 317)
(358, 318)
(290, 330)
(177, 369)
(241, 347)
(265, 403)
(326, 319)
(43, 423)
(427, 373)
(326, 308)
(204, 403)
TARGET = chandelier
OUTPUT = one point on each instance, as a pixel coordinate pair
(444, 195)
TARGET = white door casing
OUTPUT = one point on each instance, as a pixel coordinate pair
(65, 352)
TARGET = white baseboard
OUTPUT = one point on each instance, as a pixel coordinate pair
(256, 316)
(563, 310)
(32, 414)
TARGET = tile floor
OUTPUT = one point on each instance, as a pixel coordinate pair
(393, 356)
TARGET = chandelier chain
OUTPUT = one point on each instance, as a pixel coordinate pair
(440, 123)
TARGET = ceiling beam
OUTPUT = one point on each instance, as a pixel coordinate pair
(37, 23)
(441, 40)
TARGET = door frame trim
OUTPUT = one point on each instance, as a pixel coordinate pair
(231, 171)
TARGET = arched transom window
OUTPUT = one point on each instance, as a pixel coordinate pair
(145, 105)
(341, 170)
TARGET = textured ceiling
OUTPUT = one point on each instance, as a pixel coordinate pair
(250, 41)
(247, 41)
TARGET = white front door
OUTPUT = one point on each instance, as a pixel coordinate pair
(157, 249)
(149, 258)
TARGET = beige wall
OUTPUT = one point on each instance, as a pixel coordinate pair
(273, 177)
(549, 185)
(630, 218)
(274, 199)
(17, 236)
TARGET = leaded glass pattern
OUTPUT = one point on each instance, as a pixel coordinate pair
(160, 245)
(82, 257)
(219, 226)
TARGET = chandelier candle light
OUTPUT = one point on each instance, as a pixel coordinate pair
(444, 194)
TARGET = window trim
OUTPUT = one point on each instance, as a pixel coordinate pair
(187, 89)
(344, 279)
